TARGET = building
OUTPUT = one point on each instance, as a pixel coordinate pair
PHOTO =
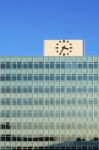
(48, 101)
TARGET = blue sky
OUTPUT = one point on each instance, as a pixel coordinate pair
(24, 24)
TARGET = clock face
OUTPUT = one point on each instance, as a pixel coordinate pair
(64, 47)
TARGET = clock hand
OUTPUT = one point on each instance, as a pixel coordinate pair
(65, 47)
(61, 50)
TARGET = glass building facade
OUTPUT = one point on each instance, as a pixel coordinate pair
(48, 102)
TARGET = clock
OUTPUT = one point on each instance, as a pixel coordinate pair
(64, 47)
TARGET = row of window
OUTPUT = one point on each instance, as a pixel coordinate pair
(51, 89)
(20, 138)
(73, 125)
(51, 113)
(55, 102)
(47, 65)
(50, 77)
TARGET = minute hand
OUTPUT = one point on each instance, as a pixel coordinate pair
(61, 50)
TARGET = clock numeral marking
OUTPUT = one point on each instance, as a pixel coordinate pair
(67, 53)
(63, 54)
(59, 41)
(67, 41)
(63, 41)
(57, 44)
(70, 44)
(70, 51)
(71, 47)
(57, 51)
(56, 47)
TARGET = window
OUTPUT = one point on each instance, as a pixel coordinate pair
(13, 77)
(8, 90)
(68, 66)
(51, 65)
(57, 65)
(84, 65)
(29, 101)
(74, 65)
(18, 89)
(41, 77)
(29, 77)
(18, 77)
(95, 64)
(41, 65)
(30, 65)
(79, 66)
(51, 77)
(14, 65)
(90, 66)
(19, 65)
(3, 65)
(8, 101)
(8, 65)
(62, 65)
(25, 65)
(25, 77)
(68, 77)
(47, 65)
(73, 76)
(79, 77)
(62, 76)
(30, 89)
(35, 65)
(2, 78)
(85, 77)
(19, 101)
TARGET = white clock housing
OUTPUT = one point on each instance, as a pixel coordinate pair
(63, 48)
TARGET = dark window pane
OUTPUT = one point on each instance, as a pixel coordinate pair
(62, 64)
(47, 65)
(8, 77)
(85, 65)
(36, 65)
(30, 65)
(41, 65)
(51, 64)
(18, 89)
(35, 77)
(51, 77)
(13, 65)
(41, 77)
(73, 77)
(3, 66)
(18, 77)
(57, 65)
(2, 78)
(79, 66)
(19, 65)
(14, 77)
(68, 66)
(62, 77)
(95, 64)
(30, 89)
(68, 77)
(8, 90)
(30, 77)
(25, 65)
(90, 65)
(46, 77)
(79, 77)
(25, 77)
(8, 65)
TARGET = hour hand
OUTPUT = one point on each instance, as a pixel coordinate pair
(64, 47)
